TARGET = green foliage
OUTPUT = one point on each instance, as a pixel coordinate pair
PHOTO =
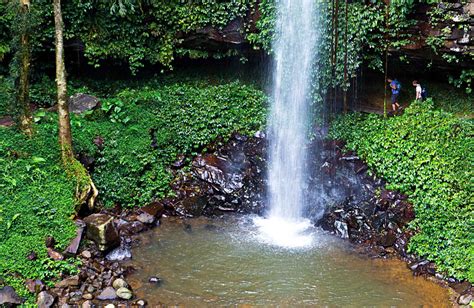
(451, 99)
(464, 80)
(176, 118)
(128, 31)
(427, 154)
(265, 25)
(36, 201)
(6, 94)
(37, 198)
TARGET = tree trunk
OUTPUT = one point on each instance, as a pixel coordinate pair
(65, 137)
(387, 42)
(23, 98)
(345, 60)
(86, 192)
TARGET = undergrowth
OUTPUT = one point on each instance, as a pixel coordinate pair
(427, 154)
(36, 201)
(134, 136)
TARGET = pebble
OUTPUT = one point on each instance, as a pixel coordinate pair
(110, 306)
(154, 279)
(45, 300)
(124, 293)
(140, 303)
(119, 283)
(87, 296)
(465, 299)
(86, 254)
(107, 294)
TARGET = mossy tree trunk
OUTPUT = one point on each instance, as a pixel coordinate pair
(25, 121)
(86, 192)
(65, 137)
(346, 78)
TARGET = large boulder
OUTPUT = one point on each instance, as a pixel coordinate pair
(222, 174)
(80, 103)
(100, 229)
(8, 296)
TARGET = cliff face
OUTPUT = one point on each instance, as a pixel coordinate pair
(453, 36)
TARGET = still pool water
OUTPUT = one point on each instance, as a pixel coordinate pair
(224, 262)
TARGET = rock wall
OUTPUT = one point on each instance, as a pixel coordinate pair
(456, 33)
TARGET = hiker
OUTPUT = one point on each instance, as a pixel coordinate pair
(395, 86)
(420, 91)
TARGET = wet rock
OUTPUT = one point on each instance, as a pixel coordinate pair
(461, 287)
(179, 162)
(74, 245)
(7, 121)
(124, 293)
(72, 281)
(154, 209)
(130, 228)
(50, 242)
(218, 171)
(259, 134)
(388, 239)
(465, 299)
(55, 255)
(31, 256)
(8, 296)
(146, 218)
(101, 230)
(34, 285)
(155, 280)
(341, 229)
(45, 300)
(80, 103)
(194, 205)
(419, 267)
(119, 254)
(87, 296)
(107, 294)
(99, 142)
(119, 283)
(387, 195)
(86, 254)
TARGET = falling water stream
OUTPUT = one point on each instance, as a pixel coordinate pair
(294, 48)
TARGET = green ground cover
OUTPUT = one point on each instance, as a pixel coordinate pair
(426, 153)
(143, 129)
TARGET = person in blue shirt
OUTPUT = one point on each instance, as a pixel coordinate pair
(395, 87)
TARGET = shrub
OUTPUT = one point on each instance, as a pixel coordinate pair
(427, 154)
(144, 129)
(36, 201)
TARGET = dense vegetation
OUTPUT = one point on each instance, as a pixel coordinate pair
(137, 33)
(140, 128)
(426, 153)
(143, 130)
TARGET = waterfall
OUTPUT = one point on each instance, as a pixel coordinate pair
(294, 50)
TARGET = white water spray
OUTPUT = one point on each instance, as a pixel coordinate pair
(294, 48)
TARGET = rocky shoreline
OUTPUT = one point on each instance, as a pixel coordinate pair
(230, 178)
